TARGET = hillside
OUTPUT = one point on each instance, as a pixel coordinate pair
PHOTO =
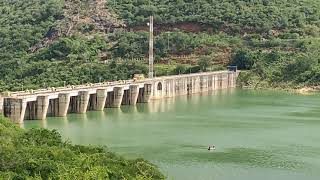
(234, 17)
(55, 42)
(46, 43)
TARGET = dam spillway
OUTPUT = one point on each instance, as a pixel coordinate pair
(39, 104)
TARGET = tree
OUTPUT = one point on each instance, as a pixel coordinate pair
(204, 63)
(243, 59)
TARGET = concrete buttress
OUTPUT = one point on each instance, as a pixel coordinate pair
(147, 93)
(15, 109)
(101, 99)
(117, 96)
(63, 104)
(42, 107)
(134, 93)
(82, 101)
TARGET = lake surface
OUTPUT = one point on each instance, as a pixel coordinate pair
(258, 134)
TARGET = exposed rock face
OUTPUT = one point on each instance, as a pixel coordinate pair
(77, 13)
(90, 12)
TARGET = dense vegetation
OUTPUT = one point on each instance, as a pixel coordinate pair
(42, 154)
(278, 68)
(67, 60)
(235, 15)
(277, 42)
(46, 43)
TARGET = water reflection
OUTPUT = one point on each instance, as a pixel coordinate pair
(113, 114)
(129, 109)
(142, 108)
(159, 106)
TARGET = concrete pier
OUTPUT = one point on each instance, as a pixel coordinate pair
(117, 97)
(101, 99)
(15, 109)
(82, 102)
(42, 107)
(147, 93)
(39, 104)
(63, 104)
(134, 93)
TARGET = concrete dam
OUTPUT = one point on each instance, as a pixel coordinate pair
(39, 104)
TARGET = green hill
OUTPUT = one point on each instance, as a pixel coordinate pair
(225, 15)
(46, 43)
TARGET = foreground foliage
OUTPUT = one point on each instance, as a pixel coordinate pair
(42, 154)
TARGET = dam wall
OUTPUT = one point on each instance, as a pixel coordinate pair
(40, 104)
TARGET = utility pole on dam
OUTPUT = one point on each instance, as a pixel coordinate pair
(151, 58)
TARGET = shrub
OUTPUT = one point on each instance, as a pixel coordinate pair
(243, 59)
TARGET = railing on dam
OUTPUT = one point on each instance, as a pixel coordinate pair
(39, 104)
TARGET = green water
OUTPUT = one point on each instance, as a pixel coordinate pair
(258, 134)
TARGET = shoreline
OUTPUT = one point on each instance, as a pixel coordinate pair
(305, 90)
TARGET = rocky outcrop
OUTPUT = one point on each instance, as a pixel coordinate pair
(90, 13)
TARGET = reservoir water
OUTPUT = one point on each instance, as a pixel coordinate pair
(258, 134)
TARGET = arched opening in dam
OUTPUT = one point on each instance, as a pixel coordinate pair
(159, 86)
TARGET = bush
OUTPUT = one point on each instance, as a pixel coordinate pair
(193, 69)
(204, 63)
(180, 69)
(42, 154)
(243, 59)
